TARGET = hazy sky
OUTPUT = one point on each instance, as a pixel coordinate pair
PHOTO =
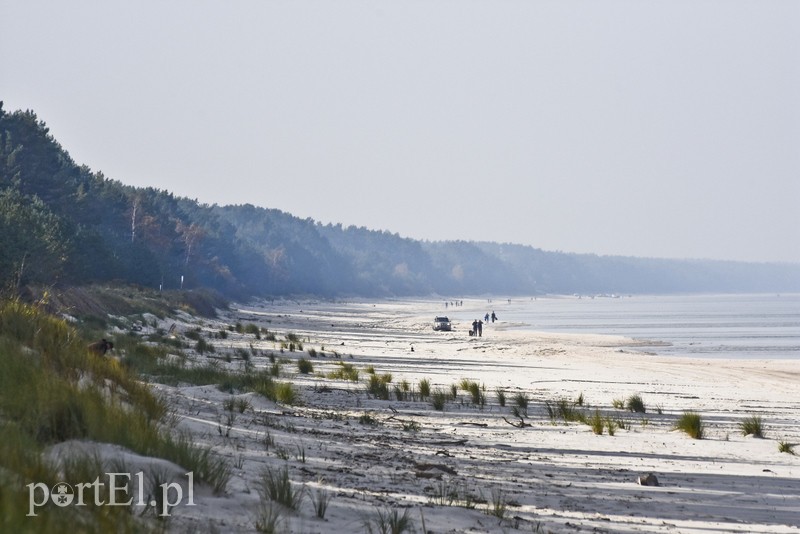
(663, 129)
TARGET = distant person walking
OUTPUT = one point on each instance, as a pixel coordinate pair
(474, 331)
(480, 328)
(486, 318)
(494, 317)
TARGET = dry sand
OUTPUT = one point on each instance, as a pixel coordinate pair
(552, 476)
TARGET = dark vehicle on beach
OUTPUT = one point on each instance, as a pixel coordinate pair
(442, 324)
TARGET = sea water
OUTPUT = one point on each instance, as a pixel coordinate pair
(703, 326)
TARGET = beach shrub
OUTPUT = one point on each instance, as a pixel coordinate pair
(611, 425)
(270, 518)
(566, 410)
(501, 396)
(424, 388)
(438, 399)
(635, 404)
(286, 394)
(202, 346)
(378, 387)
(367, 419)
(275, 485)
(389, 521)
(596, 422)
(691, 423)
(498, 505)
(344, 371)
(304, 366)
(474, 389)
(443, 493)
(320, 498)
(752, 425)
(521, 401)
(252, 329)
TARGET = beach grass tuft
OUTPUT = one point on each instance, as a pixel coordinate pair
(501, 396)
(634, 403)
(498, 504)
(305, 366)
(784, 446)
(389, 521)
(597, 422)
(344, 371)
(424, 388)
(692, 424)
(275, 485)
(438, 399)
(752, 425)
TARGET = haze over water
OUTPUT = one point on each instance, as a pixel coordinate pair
(703, 326)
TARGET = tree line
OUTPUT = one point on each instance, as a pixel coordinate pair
(63, 224)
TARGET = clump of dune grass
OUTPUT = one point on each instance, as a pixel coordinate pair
(752, 425)
(596, 422)
(389, 521)
(498, 504)
(692, 424)
(634, 403)
(521, 401)
(424, 388)
(501, 396)
(52, 389)
(618, 404)
(285, 393)
(344, 371)
(611, 426)
(378, 386)
(438, 399)
(305, 366)
(275, 485)
(320, 498)
(270, 518)
(474, 389)
(786, 447)
(367, 419)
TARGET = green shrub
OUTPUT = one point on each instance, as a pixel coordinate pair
(438, 399)
(276, 486)
(424, 388)
(752, 425)
(286, 394)
(597, 422)
(691, 423)
(304, 366)
(521, 401)
(389, 521)
(378, 387)
(344, 371)
(635, 404)
(501, 396)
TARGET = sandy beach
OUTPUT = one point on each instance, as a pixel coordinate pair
(479, 467)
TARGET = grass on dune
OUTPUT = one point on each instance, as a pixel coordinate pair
(52, 389)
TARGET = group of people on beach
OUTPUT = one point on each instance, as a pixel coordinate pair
(477, 324)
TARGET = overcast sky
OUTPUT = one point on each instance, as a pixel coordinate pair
(658, 129)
